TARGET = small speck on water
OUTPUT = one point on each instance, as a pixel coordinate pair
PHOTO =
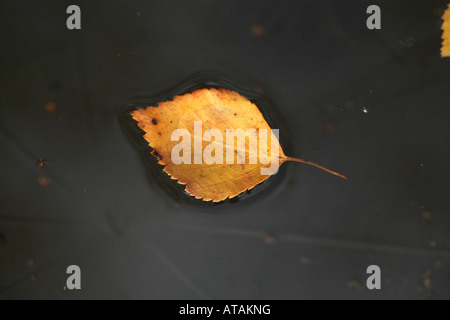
(427, 216)
(42, 163)
(270, 239)
(305, 260)
(257, 30)
(43, 181)
(407, 41)
(354, 284)
(50, 107)
(431, 243)
(427, 283)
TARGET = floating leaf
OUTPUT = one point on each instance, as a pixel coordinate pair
(445, 49)
(218, 111)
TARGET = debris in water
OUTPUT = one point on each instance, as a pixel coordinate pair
(43, 181)
(305, 260)
(257, 30)
(50, 107)
(269, 239)
(42, 163)
(427, 216)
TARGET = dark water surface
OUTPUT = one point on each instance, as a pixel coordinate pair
(373, 105)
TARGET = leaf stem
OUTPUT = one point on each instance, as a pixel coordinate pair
(318, 166)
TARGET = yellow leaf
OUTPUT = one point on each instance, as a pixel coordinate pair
(221, 110)
(445, 49)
